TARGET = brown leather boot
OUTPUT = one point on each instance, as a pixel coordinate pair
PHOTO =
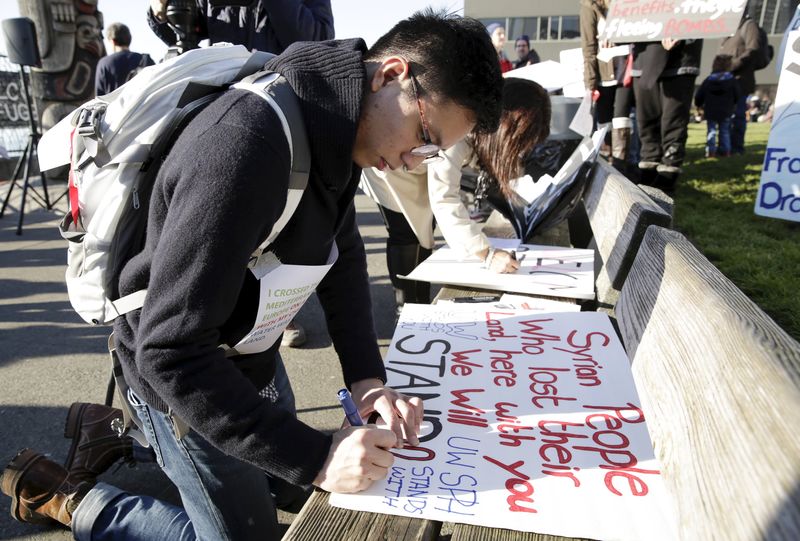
(95, 445)
(41, 490)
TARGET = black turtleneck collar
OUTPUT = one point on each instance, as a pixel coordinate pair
(329, 77)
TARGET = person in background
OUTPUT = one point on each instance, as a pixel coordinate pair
(525, 55)
(421, 88)
(743, 48)
(498, 34)
(613, 100)
(718, 95)
(412, 202)
(122, 64)
(261, 25)
(663, 85)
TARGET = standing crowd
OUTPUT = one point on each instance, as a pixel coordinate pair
(655, 85)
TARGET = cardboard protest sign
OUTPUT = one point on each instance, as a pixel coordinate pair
(779, 191)
(652, 20)
(544, 270)
(536, 426)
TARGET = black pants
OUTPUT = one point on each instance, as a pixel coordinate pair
(614, 102)
(403, 254)
(662, 115)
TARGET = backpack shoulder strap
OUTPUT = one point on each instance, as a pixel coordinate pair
(281, 97)
(254, 64)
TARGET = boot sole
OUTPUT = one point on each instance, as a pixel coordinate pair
(12, 475)
(72, 429)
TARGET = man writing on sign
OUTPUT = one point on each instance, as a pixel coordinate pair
(217, 196)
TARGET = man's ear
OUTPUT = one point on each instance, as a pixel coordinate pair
(390, 69)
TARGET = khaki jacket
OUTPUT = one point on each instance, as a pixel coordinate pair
(429, 192)
(592, 21)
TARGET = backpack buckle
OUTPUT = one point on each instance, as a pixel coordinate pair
(89, 120)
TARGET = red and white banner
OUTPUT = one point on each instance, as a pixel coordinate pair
(653, 20)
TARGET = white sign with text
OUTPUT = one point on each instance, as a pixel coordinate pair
(536, 426)
(544, 270)
(779, 191)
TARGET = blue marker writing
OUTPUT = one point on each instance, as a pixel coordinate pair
(350, 409)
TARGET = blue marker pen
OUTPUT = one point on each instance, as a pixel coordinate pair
(350, 409)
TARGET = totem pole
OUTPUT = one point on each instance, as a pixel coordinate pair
(69, 35)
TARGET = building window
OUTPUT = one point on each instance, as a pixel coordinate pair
(518, 26)
(543, 28)
(555, 27)
(772, 15)
(570, 27)
(552, 28)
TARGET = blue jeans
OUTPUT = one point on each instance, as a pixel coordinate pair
(739, 126)
(721, 130)
(223, 497)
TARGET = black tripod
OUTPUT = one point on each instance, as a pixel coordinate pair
(25, 160)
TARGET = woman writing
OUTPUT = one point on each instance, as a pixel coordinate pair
(413, 202)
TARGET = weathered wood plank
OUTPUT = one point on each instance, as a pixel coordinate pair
(319, 521)
(720, 382)
(619, 214)
(661, 199)
(466, 532)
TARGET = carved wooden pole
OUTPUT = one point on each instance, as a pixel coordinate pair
(70, 43)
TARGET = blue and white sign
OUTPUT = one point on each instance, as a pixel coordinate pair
(779, 192)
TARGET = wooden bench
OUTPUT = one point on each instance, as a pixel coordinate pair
(720, 383)
(618, 213)
(319, 521)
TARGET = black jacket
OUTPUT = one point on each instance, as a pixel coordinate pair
(265, 25)
(718, 95)
(652, 62)
(215, 200)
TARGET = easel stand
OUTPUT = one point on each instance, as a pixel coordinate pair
(26, 160)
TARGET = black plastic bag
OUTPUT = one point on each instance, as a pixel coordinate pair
(532, 219)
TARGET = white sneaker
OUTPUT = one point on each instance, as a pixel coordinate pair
(294, 336)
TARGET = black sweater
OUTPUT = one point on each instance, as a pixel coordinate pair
(214, 201)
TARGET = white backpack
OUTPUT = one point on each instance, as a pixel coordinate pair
(115, 145)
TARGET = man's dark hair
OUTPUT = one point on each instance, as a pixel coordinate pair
(452, 58)
(119, 34)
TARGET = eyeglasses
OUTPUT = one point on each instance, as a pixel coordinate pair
(427, 150)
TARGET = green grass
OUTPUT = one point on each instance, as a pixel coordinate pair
(714, 205)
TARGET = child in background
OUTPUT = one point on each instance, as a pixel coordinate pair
(718, 96)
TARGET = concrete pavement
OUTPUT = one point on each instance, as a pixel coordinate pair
(50, 358)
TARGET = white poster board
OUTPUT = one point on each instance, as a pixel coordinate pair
(536, 426)
(544, 270)
(548, 73)
(648, 20)
(779, 191)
